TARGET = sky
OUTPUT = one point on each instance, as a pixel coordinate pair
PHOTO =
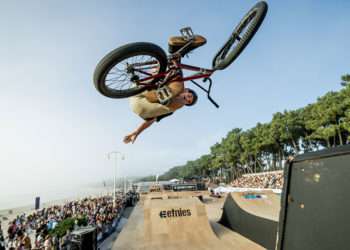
(56, 129)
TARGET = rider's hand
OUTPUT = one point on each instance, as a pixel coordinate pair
(130, 138)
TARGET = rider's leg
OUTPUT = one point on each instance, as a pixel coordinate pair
(175, 87)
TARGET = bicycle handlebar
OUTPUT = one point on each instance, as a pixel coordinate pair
(207, 90)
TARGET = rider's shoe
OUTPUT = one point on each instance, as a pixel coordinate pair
(176, 42)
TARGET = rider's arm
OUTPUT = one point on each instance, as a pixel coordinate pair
(145, 125)
(132, 137)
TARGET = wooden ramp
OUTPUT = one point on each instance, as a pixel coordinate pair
(254, 218)
(267, 206)
(180, 223)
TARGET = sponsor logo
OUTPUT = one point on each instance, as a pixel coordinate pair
(175, 213)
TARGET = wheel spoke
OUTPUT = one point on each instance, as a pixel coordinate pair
(115, 78)
(121, 86)
(140, 66)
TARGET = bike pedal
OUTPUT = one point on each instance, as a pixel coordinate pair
(187, 33)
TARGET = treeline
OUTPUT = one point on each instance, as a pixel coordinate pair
(323, 124)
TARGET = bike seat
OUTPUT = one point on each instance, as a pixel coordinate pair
(176, 42)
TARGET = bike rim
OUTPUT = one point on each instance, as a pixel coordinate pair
(240, 34)
(129, 71)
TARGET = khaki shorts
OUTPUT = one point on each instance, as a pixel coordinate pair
(145, 109)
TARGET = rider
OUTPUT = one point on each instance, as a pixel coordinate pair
(150, 108)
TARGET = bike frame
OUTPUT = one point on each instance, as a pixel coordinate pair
(168, 77)
(174, 68)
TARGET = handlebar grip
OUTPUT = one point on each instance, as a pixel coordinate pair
(213, 102)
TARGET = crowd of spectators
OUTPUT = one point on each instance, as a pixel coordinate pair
(37, 230)
(2, 239)
(272, 180)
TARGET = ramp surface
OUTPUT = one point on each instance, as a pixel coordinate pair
(254, 218)
(176, 224)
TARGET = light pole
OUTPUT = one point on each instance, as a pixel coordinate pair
(124, 185)
(115, 170)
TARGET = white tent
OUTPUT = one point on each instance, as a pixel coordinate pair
(174, 181)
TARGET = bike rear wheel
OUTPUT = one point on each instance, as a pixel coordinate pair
(117, 74)
(241, 36)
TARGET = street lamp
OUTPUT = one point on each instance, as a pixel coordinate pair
(115, 170)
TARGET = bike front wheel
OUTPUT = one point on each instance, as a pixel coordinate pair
(241, 36)
(118, 73)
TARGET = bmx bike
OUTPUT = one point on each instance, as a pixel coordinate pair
(136, 67)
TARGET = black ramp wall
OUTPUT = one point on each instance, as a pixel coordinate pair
(236, 215)
(316, 202)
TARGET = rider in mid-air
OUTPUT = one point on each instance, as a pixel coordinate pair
(157, 104)
(147, 105)
(153, 81)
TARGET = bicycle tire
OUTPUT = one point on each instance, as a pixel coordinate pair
(118, 55)
(258, 11)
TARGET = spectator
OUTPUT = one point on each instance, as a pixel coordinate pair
(26, 242)
(48, 245)
(2, 240)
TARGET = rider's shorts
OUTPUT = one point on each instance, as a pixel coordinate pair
(145, 109)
